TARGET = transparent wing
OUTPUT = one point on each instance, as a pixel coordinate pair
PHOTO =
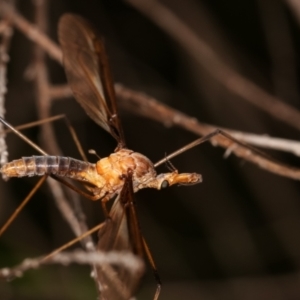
(88, 73)
(121, 233)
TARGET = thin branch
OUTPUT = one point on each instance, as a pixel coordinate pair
(267, 142)
(6, 34)
(125, 259)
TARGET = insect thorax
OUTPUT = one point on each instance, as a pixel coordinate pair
(116, 166)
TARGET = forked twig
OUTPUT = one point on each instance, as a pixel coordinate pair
(125, 259)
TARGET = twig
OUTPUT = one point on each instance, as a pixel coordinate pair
(267, 142)
(6, 34)
(125, 259)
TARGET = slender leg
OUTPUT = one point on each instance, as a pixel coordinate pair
(21, 206)
(154, 269)
(74, 241)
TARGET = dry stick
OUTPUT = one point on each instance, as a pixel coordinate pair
(130, 261)
(6, 33)
(267, 142)
(213, 64)
(48, 136)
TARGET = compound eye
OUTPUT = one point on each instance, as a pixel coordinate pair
(164, 184)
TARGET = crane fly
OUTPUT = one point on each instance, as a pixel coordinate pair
(117, 176)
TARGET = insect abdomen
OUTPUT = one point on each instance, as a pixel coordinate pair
(42, 165)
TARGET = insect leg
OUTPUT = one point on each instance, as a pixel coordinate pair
(21, 206)
(72, 242)
(154, 269)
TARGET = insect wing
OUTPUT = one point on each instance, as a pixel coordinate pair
(88, 73)
(121, 233)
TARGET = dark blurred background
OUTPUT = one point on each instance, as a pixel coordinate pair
(236, 235)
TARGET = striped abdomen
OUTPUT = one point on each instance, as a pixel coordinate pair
(42, 165)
